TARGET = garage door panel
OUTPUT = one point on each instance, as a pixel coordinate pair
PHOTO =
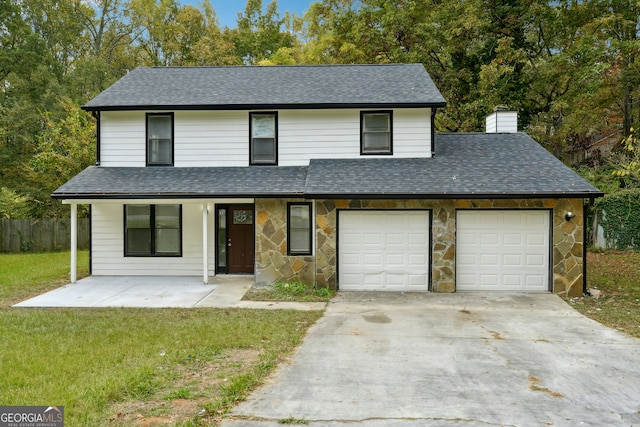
(488, 280)
(536, 239)
(372, 260)
(536, 260)
(489, 260)
(512, 239)
(511, 260)
(371, 239)
(489, 239)
(418, 259)
(397, 260)
(393, 256)
(502, 250)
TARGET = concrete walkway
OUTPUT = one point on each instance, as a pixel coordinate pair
(158, 292)
(453, 360)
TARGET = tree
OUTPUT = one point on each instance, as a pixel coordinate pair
(65, 148)
(13, 205)
(628, 163)
(259, 35)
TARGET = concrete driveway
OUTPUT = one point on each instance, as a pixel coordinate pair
(453, 360)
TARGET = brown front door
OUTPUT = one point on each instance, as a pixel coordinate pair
(240, 239)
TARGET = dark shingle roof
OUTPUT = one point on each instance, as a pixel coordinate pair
(193, 182)
(317, 86)
(474, 165)
(465, 165)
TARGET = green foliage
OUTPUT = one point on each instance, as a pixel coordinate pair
(289, 291)
(13, 205)
(628, 163)
(259, 35)
(602, 177)
(65, 148)
(619, 215)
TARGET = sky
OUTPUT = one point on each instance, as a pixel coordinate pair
(227, 10)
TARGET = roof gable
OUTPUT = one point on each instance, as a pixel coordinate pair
(283, 87)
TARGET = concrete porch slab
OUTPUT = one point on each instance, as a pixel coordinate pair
(129, 291)
(223, 291)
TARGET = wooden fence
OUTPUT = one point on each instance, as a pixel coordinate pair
(41, 235)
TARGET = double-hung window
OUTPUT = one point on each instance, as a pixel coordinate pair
(376, 132)
(299, 228)
(160, 139)
(153, 230)
(263, 145)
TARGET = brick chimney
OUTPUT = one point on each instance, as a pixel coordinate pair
(502, 120)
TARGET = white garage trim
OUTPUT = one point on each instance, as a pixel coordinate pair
(384, 250)
(503, 250)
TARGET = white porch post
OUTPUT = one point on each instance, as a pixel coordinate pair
(74, 240)
(205, 243)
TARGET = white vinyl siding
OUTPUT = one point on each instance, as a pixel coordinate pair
(221, 138)
(335, 134)
(211, 138)
(123, 138)
(502, 121)
(108, 258)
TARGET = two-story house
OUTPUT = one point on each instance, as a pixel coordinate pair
(332, 175)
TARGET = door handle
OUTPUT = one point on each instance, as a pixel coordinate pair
(229, 243)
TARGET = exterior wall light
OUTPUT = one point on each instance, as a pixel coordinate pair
(569, 216)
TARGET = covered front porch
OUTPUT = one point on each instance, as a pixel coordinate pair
(207, 237)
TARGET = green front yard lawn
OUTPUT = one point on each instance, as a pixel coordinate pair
(184, 367)
(616, 275)
(127, 367)
(26, 275)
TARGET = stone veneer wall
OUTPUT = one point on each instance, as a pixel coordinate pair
(567, 259)
(272, 262)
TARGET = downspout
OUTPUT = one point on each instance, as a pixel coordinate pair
(585, 291)
(90, 240)
(96, 115)
(433, 131)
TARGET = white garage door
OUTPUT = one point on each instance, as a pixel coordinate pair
(384, 250)
(502, 251)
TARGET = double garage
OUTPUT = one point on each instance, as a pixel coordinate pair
(496, 250)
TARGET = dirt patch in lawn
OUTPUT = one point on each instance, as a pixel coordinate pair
(192, 392)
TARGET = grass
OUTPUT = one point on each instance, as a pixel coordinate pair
(289, 291)
(617, 276)
(25, 275)
(124, 367)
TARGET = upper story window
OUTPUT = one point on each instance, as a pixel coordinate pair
(160, 139)
(376, 132)
(153, 230)
(263, 144)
